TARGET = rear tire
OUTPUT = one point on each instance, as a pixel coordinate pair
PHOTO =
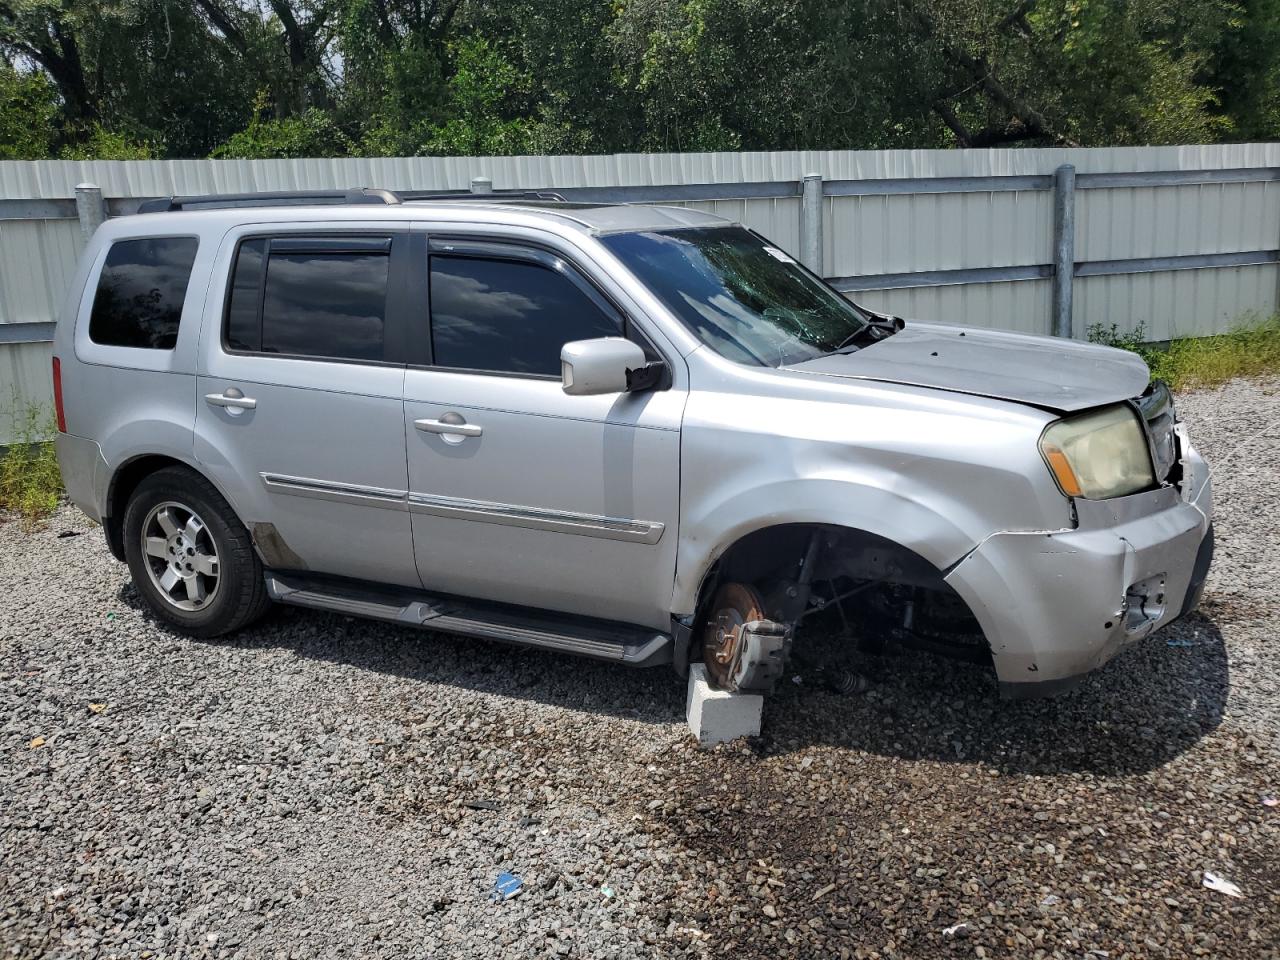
(190, 556)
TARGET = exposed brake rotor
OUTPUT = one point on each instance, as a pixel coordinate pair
(742, 649)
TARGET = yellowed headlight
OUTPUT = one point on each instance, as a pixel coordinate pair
(1098, 455)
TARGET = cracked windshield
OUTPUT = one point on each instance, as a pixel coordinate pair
(749, 301)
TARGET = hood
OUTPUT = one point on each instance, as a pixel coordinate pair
(1047, 372)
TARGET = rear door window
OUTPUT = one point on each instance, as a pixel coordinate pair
(140, 293)
(323, 297)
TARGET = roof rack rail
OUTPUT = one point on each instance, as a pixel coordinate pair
(549, 195)
(275, 198)
(279, 198)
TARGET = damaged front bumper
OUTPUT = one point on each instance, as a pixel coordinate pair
(1055, 605)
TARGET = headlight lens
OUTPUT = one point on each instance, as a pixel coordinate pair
(1098, 455)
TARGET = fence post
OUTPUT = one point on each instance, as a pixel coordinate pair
(1064, 248)
(811, 222)
(89, 208)
(481, 185)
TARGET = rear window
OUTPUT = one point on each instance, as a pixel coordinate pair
(140, 293)
(323, 297)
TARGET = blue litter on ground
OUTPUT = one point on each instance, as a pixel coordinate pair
(1179, 642)
(505, 887)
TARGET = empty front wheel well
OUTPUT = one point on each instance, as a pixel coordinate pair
(779, 552)
(883, 586)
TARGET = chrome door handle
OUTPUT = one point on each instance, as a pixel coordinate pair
(230, 400)
(445, 427)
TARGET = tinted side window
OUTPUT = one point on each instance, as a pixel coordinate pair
(244, 313)
(508, 316)
(317, 300)
(140, 293)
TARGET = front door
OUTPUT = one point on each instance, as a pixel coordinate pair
(517, 492)
(299, 409)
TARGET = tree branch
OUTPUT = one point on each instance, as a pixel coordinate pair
(57, 52)
(1017, 15)
(1026, 120)
(295, 39)
(1014, 133)
(943, 110)
(445, 19)
(386, 28)
(224, 25)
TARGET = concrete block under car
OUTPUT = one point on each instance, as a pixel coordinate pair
(718, 716)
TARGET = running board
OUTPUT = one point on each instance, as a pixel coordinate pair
(581, 636)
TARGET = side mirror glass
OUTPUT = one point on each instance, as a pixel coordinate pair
(592, 367)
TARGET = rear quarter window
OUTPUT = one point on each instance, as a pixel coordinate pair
(140, 293)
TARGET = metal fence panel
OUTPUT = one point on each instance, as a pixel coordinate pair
(56, 179)
(902, 233)
(1010, 306)
(37, 261)
(25, 379)
(1175, 221)
(1184, 303)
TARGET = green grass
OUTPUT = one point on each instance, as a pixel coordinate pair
(30, 482)
(1251, 349)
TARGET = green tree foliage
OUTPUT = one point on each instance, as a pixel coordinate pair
(563, 50)
(161, 79)
(278, 78)
(310, 134)
(1073, 71)
(28, 112)
(144, 71)
(760, 74)
(1244, 66)
(396, 71)
(104, 144)
(480, 105)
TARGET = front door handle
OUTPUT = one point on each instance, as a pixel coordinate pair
(232, 398)
(457, 428)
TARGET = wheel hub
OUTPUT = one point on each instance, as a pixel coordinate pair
(742, 649)
(726, 638)
(180, 556)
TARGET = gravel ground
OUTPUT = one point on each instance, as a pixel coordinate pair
(302, 790)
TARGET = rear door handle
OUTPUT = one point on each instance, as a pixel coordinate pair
(232, 398)
(458, 429)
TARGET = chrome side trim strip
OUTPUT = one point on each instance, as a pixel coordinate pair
(537, 518)
(338, 492)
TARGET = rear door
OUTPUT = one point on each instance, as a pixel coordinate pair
(299, 409)
(539, 498)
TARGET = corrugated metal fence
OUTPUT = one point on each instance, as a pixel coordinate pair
(1180, 239)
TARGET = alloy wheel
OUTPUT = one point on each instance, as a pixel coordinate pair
(180, 556)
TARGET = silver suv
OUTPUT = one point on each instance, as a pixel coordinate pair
(637, 433)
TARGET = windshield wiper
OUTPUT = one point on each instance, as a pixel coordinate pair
(851, 340)
(880, 326)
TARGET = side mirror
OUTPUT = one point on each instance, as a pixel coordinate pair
(589, 368)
